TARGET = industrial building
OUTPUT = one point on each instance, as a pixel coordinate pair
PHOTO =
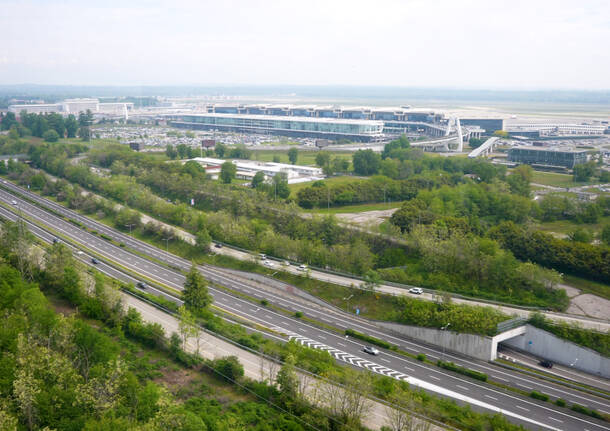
(312, 127)
(551, 157)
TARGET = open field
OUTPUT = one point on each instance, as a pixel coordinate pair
(357, 208)
(305, 157)
(294, 188)
(556, 180)
(567, 226)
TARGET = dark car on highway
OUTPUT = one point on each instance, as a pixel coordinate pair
(546, 363)
(94, 261)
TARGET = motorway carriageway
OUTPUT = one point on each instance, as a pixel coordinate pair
(521, 409)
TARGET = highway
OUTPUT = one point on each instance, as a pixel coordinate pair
(520, 409)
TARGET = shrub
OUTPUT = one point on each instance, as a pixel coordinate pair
(264, 302)
(539, 396)
(465, 371)
(228, 368)
(298, 314)
(421, 357)
(585, 411)
(560, 402)
(368, 338)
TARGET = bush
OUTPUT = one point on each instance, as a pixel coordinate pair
(298, 314)
(50, 136)
(421, 357)
(538, 396)
(465, 371)
(560, 402)
(228, 368)
(264, 302)
(585, 411)
(368, 338)
(106, 237)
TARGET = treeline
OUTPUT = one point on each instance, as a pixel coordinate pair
(586, 260)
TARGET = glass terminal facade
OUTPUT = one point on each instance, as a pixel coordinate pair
(546, 156)
(356, 130)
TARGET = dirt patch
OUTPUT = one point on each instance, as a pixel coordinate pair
(590, 305)
(175, 379)
(367, 217)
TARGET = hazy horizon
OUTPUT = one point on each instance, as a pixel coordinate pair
(469, 44)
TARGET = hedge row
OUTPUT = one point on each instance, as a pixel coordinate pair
(465, 371)
(369, 339)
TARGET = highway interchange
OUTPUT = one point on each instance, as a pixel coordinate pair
(528, 412)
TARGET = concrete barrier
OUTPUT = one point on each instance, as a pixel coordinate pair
(476, 346)
(546, 345)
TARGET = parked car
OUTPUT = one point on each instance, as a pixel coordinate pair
(370, 350)
(416, 290)
(546, 363)
(94, 261)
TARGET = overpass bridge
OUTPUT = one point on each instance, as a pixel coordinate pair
(485, 148)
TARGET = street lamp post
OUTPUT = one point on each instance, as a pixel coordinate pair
(444, 328)
(347, 303)
(130, 225)
(167, 243)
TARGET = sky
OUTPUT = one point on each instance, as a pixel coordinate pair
(491, 44)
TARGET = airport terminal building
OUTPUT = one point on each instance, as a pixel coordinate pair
(547, 156)
(301, 127)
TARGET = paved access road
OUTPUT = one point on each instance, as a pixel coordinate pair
(519, 409)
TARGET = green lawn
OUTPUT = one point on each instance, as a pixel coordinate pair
(294, 188)
(567, 226)
(305, 157)
(556, 180)
(357, 208)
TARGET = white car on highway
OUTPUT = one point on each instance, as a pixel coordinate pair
(268, 263)
(416, 290)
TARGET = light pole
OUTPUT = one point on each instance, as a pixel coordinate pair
(347, 304)
(444, 328)
(130, 225)
(167, 243)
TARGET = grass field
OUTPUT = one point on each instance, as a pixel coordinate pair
(567, 226)
(556, 180)
(305, 157)
(294, 188)
(357, 208)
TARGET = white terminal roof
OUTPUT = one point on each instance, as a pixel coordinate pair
(290, 118)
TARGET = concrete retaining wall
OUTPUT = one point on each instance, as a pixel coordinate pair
(546, 345)
(476, 346)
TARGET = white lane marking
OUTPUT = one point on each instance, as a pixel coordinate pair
(384, 360)
(341, 344)
(408, 368)
(493, 398)
(464, 388)
(322, 337)
(558, 420)
(434, 377)
(522, 408)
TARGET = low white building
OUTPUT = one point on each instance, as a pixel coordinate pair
(249, 168)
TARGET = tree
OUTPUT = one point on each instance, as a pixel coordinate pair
(71, 126)
(229, 368)
(8, 120)
(220, 149)
(399, 414)
(323, 159)
(366, 162)
(203, 240)
(581, 235)
(227, 172)
(84, 133)
(475, 142)
(259, 179)
(584, 171)
(280, 185)
(195, 293)
(605, 234)
(293, 155)
(501, 134)
(371, 280)
(171, 152)
(188, 327)
(276, 159)
(50, 136)
(519, 180)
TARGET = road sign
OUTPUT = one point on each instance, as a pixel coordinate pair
(357, 311)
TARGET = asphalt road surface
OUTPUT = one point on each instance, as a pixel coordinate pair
(528, 412)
